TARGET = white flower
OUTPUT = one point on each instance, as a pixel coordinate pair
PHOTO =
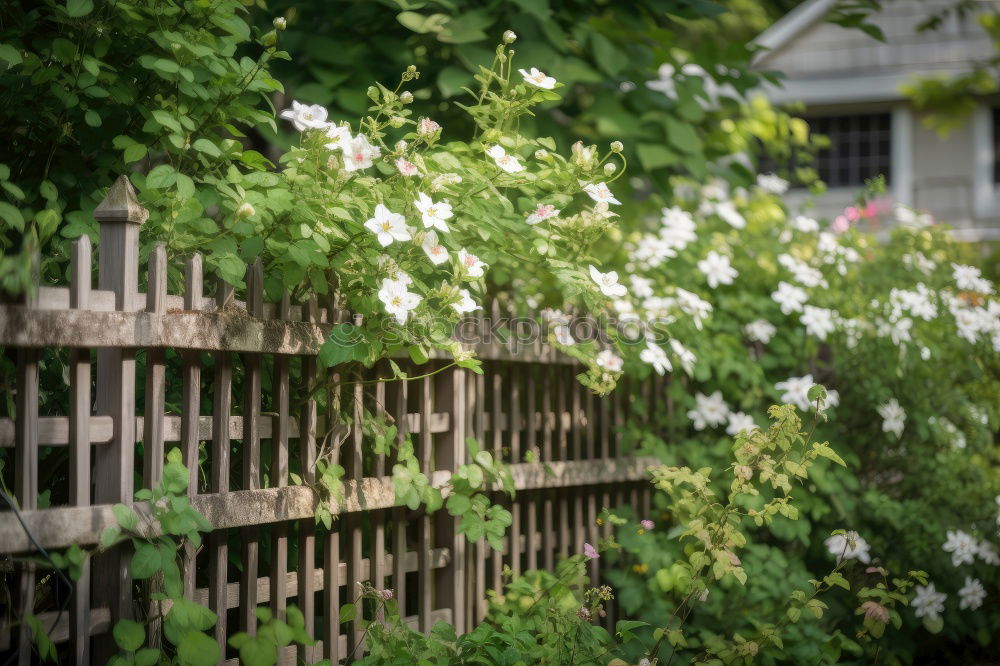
(359, 153)
(437, 253)
(387, 226)
(818, 321)
(656, 357)
(727, 211)
(796, 391)
(398, 301)
(717, 270)
(685, 355)
(508, 163)
(542, 212)
(608, 282)
(893, 417)
(641, 287)
(848, 546)
(966, 277)
(470, 263)
(692, 304)
(427, 127)
(465, 303)
(306, 116)
(772, 183)
(805, 224)
(962, 546)
(738, 422)
(678, 228)
(433, 214)
(600, 193)
(538, 78)
(971, 595)
(341, 135)
(928, 602)
(406, 167)
(760, 330)
(609, 361)
(988, 553)
(563, 335)
(709, 410)
(789, 297)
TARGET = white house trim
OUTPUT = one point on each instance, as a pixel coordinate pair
(986, 197)
(849, 89)
(901, 157)
(790, 26)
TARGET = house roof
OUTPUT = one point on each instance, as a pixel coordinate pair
(825, 63)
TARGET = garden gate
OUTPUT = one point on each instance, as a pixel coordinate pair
(527, 400)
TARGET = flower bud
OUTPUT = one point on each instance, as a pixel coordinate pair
(401, 145)
(541, 154)
(610, 168)
(245, 210)
(617, 147)
(397, 121)
(280, 23)
(406, 97)
(509, 37)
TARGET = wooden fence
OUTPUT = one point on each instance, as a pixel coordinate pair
(265, 548)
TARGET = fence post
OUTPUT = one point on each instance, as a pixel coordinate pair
(120, 216)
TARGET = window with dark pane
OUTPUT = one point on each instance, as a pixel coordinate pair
(860, 147)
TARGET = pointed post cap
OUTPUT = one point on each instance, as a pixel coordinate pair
(121, 204)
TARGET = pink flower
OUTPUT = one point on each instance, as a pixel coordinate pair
(841, 224)
(647, 524)
(875, 611)
(406, 167)
(589, 552)
(852, 213)
(871, 210)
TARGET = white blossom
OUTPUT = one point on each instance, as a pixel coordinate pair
(306, 116)
(387, 226)
(928, 602)
(962, 546)
(608, 282)
(437, 253)
(818, 321)
(641, 287)
(563, 335)
(397, 299)
(893, 417)
(771, 183)
(988, 553)
(796, 391)
(341, 136)
(738, 422)
(678, 227)
(542, 212)
(656, 357)
(971, 594)
(508, 163)
(470, 263)
(433, 214)
(426, 127)
(848, 546)
(717, 269)
(684, 355)
(600, 193)
(359, 153)
(727, 211)
(538, 78)
(789, 297)
(406, 167)
(465, 302)
(804, 224)
(760, 330)
(609, 361)
(709, 410)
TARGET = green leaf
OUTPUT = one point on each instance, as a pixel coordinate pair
(134, 153)
(198, 649)
(147, 657)
(145, 561)
(205, 146)
(161, 177)
(345, 343)
(12, 215)
(92, 118)
(655, 156)
(347, 613)
(126, 517)
(78, 8)
(129, 635)
(10, 55)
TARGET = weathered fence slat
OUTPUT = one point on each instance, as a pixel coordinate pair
(528, 401)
